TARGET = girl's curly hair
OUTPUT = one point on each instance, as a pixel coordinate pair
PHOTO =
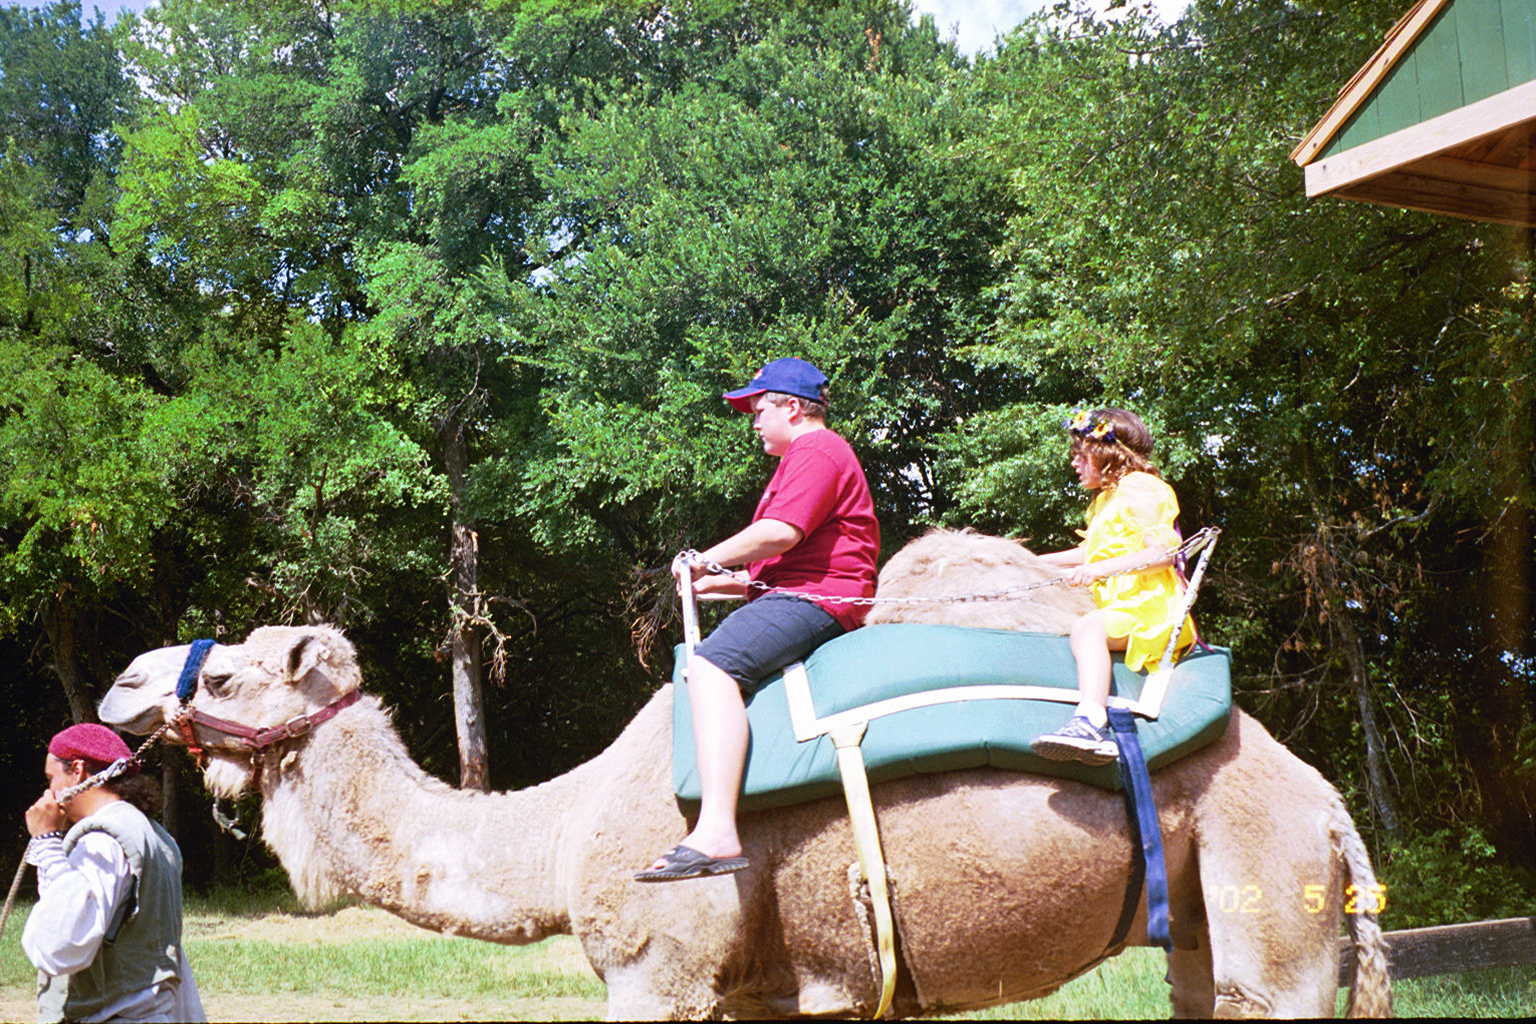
(1117, 441)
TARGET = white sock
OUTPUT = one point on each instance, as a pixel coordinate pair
(1094, 713)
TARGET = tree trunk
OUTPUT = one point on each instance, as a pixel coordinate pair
(59, 623)
(1375, 750)
(464, 640)
(1502, 694)
(1331, 592)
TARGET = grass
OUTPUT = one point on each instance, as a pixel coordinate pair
(355, 962)
(1130, 987)
(1496, 992)
(233, 901)
(258, 954)
(449, 969)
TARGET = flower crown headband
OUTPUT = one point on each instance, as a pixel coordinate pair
(1081, 424)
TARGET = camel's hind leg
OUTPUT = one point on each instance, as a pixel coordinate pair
(1192, 989)
(1268, 955)
(1284, 961)
(1273, 894)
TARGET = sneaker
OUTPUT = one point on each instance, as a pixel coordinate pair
(1078, 740)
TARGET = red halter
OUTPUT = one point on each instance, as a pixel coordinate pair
(255, 740)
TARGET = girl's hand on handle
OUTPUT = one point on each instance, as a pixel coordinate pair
(1081, 576)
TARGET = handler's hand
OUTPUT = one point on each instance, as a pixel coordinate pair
(46, 815)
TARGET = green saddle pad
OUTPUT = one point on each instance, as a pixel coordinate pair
(880, 662)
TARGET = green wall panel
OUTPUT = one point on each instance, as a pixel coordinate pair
(1519, 28)
(1439, 60)
(1398, 100)
(1365, 124)
(1474, 49)
(1480, 43)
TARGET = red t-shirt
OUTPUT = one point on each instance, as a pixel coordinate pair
(819, 488)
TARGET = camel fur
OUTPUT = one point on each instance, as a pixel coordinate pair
(960, 563)
(1006, 885)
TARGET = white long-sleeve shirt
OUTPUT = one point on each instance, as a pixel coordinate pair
(78, 896)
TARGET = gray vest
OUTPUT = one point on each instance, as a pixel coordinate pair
(143, 941)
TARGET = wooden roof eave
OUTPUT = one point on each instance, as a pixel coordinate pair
(1359, 88)
(1497, 113)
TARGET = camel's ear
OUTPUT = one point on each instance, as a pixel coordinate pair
(304, 656)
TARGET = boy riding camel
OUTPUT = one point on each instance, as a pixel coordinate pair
(814, 535)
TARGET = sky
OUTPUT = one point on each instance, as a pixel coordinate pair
(107, 7)
(973, 24)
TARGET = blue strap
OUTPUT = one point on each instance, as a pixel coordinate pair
(186, 686)
(1142, 812)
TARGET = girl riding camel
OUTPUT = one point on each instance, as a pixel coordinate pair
(1130, 521)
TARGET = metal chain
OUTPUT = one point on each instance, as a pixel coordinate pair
(1195, 542)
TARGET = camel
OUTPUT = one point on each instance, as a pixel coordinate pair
(1005, 885)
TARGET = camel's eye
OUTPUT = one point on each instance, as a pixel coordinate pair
(216, 682)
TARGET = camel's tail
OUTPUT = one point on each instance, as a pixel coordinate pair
(1371, 993)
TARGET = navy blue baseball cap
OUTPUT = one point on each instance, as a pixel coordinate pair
(790, 375)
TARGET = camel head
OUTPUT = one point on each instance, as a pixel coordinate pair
(279, 674)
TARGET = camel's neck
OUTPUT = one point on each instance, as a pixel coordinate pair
(351, 813)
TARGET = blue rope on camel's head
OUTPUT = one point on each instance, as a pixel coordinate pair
(186, 686)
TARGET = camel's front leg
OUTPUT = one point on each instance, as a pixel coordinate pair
(649, 990)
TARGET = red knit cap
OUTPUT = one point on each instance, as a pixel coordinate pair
(90, 742)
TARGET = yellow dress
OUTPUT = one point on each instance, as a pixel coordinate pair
(1140, 510)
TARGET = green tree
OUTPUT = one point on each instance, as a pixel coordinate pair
(805, 190)
(1341, 387)
(67, 482)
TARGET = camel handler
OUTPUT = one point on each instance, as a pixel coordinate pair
(105, 935)
(814, 533)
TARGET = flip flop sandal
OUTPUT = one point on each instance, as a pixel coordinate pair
(682, 862)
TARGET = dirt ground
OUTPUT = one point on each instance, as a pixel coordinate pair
(344, 926)
(288, 1006)
(348, 924)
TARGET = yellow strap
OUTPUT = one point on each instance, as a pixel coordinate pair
(866, 839)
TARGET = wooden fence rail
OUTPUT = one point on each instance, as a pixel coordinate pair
(1451, 948)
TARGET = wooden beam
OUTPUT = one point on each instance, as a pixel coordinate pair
(1451, 949)
(1400, 38)
(1478, 150)
(1512, 148)
(1450, 198)
(1500, 178)
(1513, 219)
(1497, 113)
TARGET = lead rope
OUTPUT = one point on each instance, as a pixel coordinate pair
(107, 774)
